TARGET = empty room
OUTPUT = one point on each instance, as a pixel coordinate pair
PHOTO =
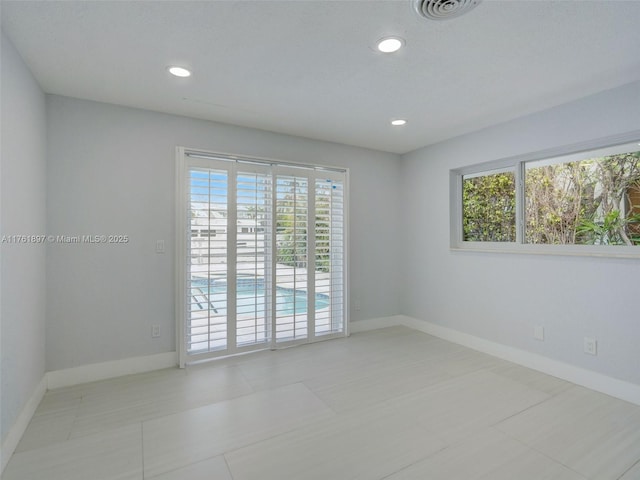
(320, 240)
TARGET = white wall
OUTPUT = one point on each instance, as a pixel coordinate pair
(111, 171)
(22, 211)
(501, 297)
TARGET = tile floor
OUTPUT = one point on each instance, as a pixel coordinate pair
(387, 404)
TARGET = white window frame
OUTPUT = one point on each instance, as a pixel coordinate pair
(569, 153)
(182, 226)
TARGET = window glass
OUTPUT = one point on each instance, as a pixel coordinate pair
(489, 207)
(594, 201)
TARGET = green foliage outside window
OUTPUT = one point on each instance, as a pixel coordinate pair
(588, 202)
(489, 208)
(291, 227)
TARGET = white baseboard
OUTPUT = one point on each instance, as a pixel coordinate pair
(614, 387)
(104, 370)
(15, 434)
(375, 323)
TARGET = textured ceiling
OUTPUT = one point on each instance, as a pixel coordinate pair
(309, 68)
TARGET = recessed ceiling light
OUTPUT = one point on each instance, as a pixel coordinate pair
(398, 122)
(390, 44)
(179, 71)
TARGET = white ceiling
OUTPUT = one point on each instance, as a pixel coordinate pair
(309, 68)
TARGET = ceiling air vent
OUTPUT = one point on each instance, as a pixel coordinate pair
(443, 9)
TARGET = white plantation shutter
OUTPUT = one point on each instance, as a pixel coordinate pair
(253, 251)
(207, 251)
(292, 221)
(265, 245)
(329, 255)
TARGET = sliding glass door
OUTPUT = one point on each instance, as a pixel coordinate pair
(207, 251)
(261, 253)
(253, 257)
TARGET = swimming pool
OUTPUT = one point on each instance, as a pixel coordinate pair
(211, 294)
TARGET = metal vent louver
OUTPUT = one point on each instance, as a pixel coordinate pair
(443, 9)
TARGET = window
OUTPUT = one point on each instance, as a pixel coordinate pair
(588, 199)
(274, 272)
(489, 207)
(583, 202)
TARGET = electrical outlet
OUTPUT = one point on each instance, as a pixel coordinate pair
(538, 332)
(159, 246)
(155, 331)
(590, 346)
(357, 305)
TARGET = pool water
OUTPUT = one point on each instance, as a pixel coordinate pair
(250, 297)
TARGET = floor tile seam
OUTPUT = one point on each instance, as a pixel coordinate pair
(526, 409)
(32, 449)
(93, 387)
(143, 384)
(141, 396)
(144, 474)
(380, 404)
(142, 448)
(335, 415)
(320, 399)
(154, 418)
(73, 422)
(421, 427)
(435, 434)
(489, 475)
(65, 410)
(116, 410)
(449, 378)
(617, 409)
(385, 402)
(59, 444)
(120, 425)
(546, 455)
(220, 400)
(471, 371)
(556, 460)
(226, 462)
(566, 385)
(251, 382)
(50, 416)
(181, 411)
(314, 376)
(139, 379)
(372, 375)
(306, 424)
(180, 467)
(247, 358)
(383, 405)
(550, 398)
(245, 379)
(67, 437)
(637, 462)
(430, 455)
(294, 351)
(457, 441)
(252, 364)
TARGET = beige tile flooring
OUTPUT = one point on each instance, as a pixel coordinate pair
(387, 404)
